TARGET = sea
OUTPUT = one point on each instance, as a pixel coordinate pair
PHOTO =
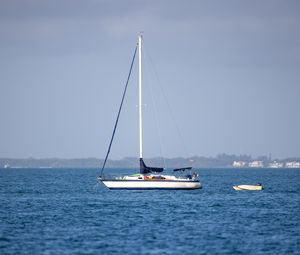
(66, 211)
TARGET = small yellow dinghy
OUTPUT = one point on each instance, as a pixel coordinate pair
(249, 187)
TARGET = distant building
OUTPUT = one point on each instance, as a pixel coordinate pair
(256, 163)
(293, 164)
(239, 164)
(275, 164)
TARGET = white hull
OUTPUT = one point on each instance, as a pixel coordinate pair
(126, 184)
(248, 187)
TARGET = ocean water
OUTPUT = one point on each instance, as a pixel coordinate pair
(65, 211)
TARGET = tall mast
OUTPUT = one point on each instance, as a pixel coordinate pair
(140, 98)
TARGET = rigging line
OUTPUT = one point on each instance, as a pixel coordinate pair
(170, 110)
(156, 116)
(120, 108)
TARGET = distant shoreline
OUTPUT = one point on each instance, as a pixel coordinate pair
(134, 168)
(220, 161)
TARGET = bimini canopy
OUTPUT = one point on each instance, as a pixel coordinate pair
(182, 169)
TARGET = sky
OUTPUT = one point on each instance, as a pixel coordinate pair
(220, 77)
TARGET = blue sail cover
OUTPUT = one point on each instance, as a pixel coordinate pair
(146, 170)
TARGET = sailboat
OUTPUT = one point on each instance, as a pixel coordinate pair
(148, 177)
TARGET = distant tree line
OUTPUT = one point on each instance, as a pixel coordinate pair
(220, 161)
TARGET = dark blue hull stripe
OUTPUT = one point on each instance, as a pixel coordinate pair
(114, 180)
(155, 188)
